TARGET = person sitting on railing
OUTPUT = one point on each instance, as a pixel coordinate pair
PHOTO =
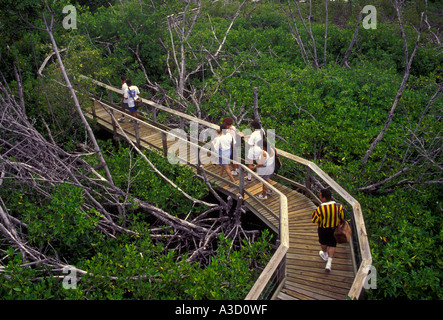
(327, 216)
(222, 144)
(131, 94)
(265, 167)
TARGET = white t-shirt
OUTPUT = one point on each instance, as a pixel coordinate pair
(223, 142)
(267, 162)
(255, 138)
(232, 131)
(124, 88)
(254, 152)
(134, 93)
(255, 149)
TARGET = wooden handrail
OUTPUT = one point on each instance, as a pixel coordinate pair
(280, 254)
(267, 273)
(158, 106)
(365, 251)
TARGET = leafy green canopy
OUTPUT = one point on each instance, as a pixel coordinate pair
(329, 116)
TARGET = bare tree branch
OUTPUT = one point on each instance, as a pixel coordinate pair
(354, 38)
(73, 93)
(408, 63)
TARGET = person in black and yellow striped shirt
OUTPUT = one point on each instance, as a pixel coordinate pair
(327, 216)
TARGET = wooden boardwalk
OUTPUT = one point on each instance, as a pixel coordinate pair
(306, 278)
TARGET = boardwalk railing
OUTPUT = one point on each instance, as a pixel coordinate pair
(275, 271)
(359, 230)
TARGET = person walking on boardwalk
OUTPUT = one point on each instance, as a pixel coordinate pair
(327, 216)
(254, 142)
(131, 94)
(222, 145)
(265, 167)
(124, 102)
(228, 122)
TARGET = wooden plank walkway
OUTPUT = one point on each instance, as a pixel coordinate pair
(306, 278)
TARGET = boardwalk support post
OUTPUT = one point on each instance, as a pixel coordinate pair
(154, 114)
(308, 178)
(241, 183)
(114, 126)
(165, 144)
(137, 135)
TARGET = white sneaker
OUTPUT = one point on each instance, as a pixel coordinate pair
(328, 266)
(262, 197)
(234, 172)
(121, 119)
(323, 255)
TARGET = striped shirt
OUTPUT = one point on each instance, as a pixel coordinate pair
(328, 215)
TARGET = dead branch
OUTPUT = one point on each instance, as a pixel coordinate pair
(180, 28)
(294, 31)
(155, 168)
(29, 161)
(354, 38)
(48, 29)
(309, 31)
(408, 64)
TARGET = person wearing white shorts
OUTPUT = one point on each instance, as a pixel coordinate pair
(265, 167)
(254, 141)
(222, 145)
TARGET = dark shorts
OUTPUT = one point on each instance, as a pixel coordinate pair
(326, 237)
(125, 106)
(132, 109)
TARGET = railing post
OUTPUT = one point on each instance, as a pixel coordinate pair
(199, 169)
(165, 144)
(110, 96)
(281, 271)
(308, 178)
(114, 126)
(154, 114)
(93, 110)
(137, 135)
(241, 182)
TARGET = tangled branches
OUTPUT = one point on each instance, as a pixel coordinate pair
(228, 223)
(35, 165)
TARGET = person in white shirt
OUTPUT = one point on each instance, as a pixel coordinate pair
(254, 141)
(222, 145)
(124, 102)
(131, 94)
(234, 154)
(265, 167)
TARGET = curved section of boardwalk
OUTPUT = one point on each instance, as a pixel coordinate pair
(306, 278)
